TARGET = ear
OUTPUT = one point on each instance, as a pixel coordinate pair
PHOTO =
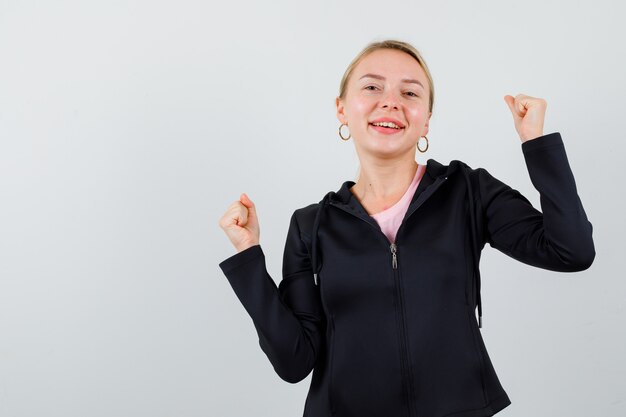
(427, 122)
(341, 116)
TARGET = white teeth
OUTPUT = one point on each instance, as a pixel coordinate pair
(387, 124)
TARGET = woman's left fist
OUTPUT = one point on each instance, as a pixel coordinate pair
(528, 114)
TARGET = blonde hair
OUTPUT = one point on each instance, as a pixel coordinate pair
(388, 44)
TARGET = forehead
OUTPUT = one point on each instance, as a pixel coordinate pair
(390, 63)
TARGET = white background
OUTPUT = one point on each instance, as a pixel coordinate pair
(128, 127)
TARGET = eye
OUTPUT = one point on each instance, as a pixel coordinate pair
(411, 92)
(367, 87)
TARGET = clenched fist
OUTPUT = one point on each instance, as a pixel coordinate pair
(528, 115)
(241, 224)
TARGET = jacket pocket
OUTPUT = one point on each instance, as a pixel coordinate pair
(331, 351)
(477, 351)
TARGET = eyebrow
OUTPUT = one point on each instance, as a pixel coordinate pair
(380, 77)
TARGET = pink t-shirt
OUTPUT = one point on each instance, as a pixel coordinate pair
(391, 218)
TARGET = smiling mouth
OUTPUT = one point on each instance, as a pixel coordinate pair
(387, 124)
(388, 129)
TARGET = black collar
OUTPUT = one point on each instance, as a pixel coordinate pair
(434, 170)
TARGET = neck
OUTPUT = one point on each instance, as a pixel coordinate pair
(383, 180)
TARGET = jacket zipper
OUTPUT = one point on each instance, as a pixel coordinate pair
(407, 373)
(406, 366)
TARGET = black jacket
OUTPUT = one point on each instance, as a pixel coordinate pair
(389, 329)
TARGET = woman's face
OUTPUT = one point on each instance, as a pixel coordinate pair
(387, 85)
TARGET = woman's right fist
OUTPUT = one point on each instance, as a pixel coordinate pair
(241, 224)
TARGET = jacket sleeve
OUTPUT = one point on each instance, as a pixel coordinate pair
(287, 318)
(560, 238)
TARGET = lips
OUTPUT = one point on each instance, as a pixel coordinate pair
(386, 130)
(388, 119)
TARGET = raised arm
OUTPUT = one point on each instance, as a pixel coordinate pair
(288, 318)
(558, 239)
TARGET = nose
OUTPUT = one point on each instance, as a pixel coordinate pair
(389, 100)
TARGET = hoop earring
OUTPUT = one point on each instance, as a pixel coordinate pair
(418, 144)
(340, 135)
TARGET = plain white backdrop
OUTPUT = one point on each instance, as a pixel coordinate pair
(128, 127)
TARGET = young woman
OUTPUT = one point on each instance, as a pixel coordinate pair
(381, 278)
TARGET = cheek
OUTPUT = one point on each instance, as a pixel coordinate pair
(417, 113)
(361, 107)
(360, 103)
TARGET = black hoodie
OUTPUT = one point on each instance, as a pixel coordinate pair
(389, 329)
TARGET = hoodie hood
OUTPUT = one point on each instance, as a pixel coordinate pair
(435, 174)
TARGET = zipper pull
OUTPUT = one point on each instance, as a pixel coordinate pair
(394, 261)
